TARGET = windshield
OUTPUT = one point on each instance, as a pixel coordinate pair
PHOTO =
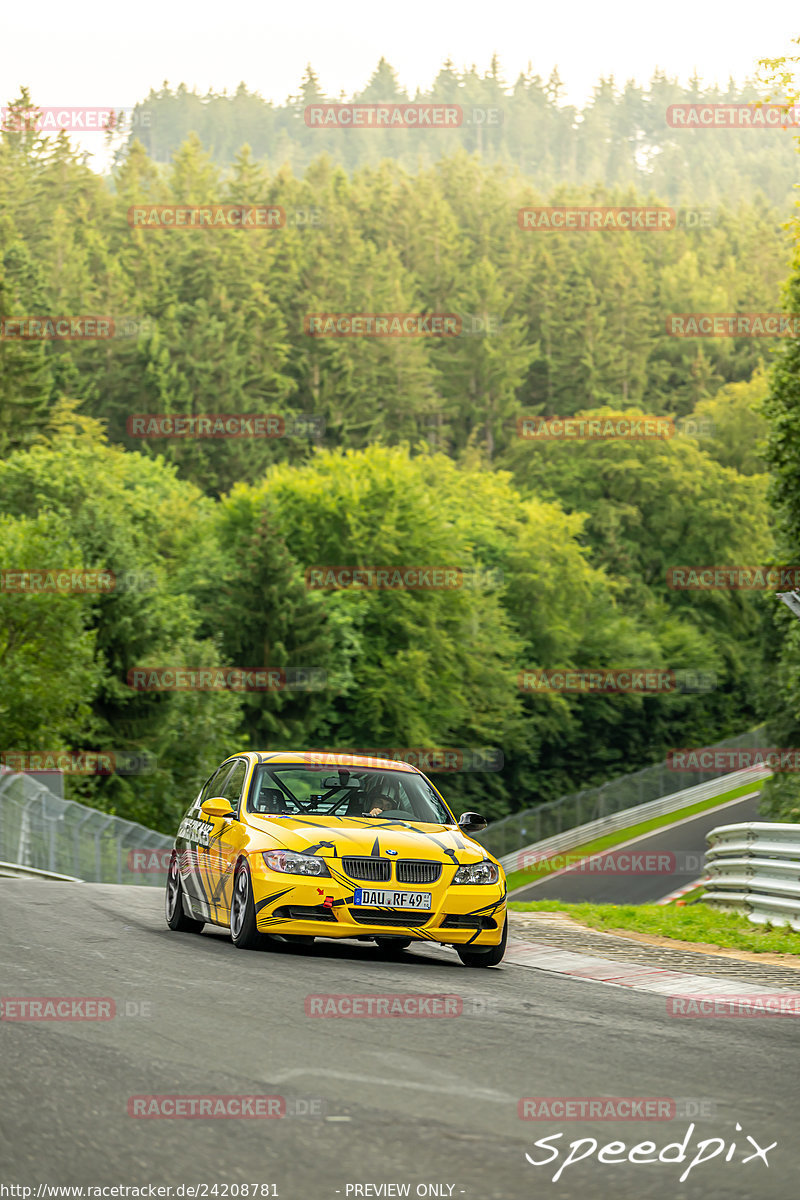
(370, 793)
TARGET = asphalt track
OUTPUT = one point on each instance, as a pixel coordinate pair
(679, 846)
(404, 1101)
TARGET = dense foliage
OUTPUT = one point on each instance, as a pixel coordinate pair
(620, 138)
(564, 547)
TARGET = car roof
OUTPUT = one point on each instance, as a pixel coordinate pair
(329, 758)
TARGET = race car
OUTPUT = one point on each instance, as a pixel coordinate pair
(300, 845)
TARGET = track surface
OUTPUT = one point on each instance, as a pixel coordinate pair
(405, 1101)
(687, 841)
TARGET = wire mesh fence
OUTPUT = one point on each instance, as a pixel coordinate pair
(40, 831)
(627, 791)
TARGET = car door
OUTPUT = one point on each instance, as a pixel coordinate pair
(225, 844)
(192, 842)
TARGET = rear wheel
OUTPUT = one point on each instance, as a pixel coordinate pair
(176, 918)
(244, 932)
(485, 958)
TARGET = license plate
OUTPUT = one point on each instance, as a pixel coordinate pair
(392, 899)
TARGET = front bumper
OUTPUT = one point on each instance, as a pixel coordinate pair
(460, 914)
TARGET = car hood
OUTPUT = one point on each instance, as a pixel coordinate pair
(337, 836)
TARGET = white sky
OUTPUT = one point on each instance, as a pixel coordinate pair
(96, 52)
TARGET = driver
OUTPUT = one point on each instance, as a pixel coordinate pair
(380, 804)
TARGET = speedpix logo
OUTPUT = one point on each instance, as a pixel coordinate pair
(614, 1153)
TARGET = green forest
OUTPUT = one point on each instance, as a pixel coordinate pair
(621, 137)
(395, 451)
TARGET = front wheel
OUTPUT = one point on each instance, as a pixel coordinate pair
(244, 932)
(176, 917)
(485, 958)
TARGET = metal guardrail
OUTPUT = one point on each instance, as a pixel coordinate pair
(531, 825)
(754, 869)
(15, 871)
(45, 835)
(632, 816)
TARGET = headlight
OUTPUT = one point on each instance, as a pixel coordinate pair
(295, 864)
(482, 872)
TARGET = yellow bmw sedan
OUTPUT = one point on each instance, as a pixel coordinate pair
(300, 845)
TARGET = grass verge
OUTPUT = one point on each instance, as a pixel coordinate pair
(531, 874)
(692, 923)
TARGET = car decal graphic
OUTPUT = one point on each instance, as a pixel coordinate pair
(340, 878)
(376, 849)
(318, 846)
(448, 850)
(195, 830)
(271, 899)
(488, 910)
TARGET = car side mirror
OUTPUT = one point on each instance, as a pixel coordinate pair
(217, 807)
(471, 822)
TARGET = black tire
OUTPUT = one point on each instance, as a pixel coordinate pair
(244, 932)
(485, 958)
(176, 918)
(392, 947)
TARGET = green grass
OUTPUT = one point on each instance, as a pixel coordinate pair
(530, 874)
(692, 923)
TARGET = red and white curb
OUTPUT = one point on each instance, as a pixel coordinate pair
(594, 969)
(681, 891)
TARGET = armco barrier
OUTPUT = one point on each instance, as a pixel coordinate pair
(754, 869)
(632, 816)
(39, 832)
(535, 824)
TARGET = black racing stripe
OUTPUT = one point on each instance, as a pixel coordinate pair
(271, 899)
(376, 850)
(319, 845)
(448, 850)
(491, 907)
